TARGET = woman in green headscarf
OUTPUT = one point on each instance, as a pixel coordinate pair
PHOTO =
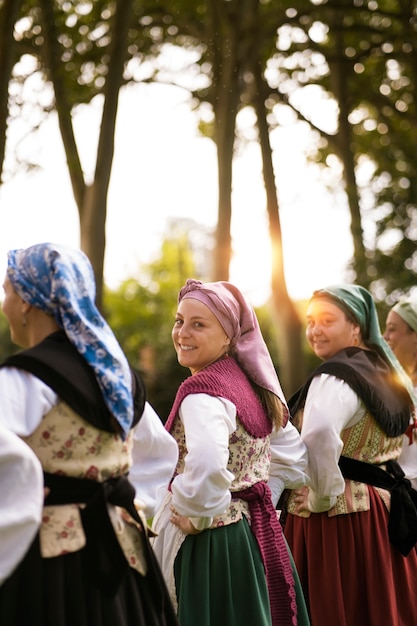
(353, 531)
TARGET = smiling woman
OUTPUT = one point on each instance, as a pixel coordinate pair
(330, 329)
(218, 535)
(198, 336)
(353, 411)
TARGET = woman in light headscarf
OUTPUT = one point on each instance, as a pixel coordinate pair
(219, 541)
(73, 398)
(401, 335)
(353, 531)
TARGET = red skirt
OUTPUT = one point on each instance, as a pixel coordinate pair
(350, 573)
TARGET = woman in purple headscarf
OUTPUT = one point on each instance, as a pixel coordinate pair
(219, 540)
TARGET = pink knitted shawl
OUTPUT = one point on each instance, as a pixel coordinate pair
(268, 532)
(226, 379)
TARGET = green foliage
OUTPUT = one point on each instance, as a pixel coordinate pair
(371, 49)
(142, 311)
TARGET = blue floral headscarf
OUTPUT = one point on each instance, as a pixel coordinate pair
(59, 280)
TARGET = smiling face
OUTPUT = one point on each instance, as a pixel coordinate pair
(198, 337)
(329, 330)
(402, 340)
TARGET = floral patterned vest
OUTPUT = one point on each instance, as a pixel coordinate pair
(67, 444)
(249, 460)
(365, 441)
(249, 444)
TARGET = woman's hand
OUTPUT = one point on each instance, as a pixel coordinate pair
(183, 523)
(300, 499)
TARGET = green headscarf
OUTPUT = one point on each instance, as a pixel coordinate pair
(358, 304)
(406, 308)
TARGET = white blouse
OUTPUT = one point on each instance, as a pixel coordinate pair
(203, 489)
(24, 400)
(332, 406)
(21, 500)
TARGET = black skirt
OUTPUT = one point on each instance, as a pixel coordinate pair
(62, 591)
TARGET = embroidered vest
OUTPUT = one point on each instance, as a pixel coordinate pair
(67, 444)
(249, 444)
(365, 441)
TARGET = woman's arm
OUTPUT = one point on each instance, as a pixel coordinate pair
(24, 400)
(21, 501)
(288, 461)
(203, 489)
(155, 455)
(331, 406)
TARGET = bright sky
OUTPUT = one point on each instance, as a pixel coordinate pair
(163, 169)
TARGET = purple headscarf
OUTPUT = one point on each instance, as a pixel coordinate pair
(239, 321)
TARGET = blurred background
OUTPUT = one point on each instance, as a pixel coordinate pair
(267, 143)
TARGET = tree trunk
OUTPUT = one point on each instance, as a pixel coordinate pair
(52, 54)
(339, 81)
(93, 222)
(292, 369)
(226, 71)
(91, 200)
(8, 14)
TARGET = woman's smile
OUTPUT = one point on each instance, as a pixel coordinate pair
(199, 339)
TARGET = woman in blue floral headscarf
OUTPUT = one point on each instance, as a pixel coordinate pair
(73, 398)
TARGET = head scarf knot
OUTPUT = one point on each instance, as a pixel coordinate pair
(60, 281)
(239, 321)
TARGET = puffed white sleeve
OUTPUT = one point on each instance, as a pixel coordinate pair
(330, 407)
(203, 489)
(289, 459)
(24, 400)
(155, 455)
(21, 501)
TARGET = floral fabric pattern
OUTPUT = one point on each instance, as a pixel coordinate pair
(249, 461)
(365, 441)
(66, 444)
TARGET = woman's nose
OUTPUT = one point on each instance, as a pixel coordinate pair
(183, 330)
(316, 330)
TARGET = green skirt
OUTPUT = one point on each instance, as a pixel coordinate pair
(220, 579)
